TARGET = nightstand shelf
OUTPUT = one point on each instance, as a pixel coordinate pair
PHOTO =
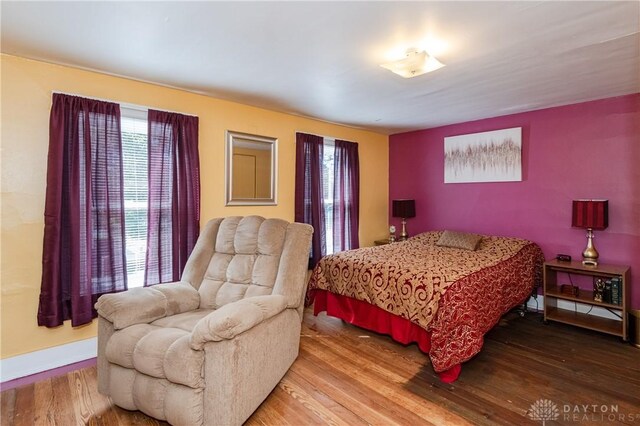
(585, 296)
(553, 295)
(583, 320)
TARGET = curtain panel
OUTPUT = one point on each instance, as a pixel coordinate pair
(84, 241)
(174, 195)
(312, 197)
(346, 196)
(309, 205)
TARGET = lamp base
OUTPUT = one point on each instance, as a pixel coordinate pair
(403, 234)
(590, 254)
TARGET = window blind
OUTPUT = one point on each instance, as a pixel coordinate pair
(136, 190)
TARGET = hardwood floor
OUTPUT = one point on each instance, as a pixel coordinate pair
(348, 376)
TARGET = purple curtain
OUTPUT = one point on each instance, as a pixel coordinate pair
(174, 195)
(309, 206)
(83, 250)
(346, 196)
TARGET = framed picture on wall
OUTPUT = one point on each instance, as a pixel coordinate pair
(494, 156)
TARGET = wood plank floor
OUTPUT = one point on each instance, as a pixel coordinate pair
(347, 376)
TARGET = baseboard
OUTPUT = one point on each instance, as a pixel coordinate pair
(59, 356)
(565, 304)
(47, 359)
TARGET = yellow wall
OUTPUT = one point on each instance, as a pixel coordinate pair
(26, 99)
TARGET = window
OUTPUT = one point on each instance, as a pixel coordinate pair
(105, 227)
(136, 191)
(327, 192)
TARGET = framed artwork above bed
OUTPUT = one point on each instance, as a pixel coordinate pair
(494, 156)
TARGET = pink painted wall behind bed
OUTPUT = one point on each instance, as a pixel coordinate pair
(586, 150)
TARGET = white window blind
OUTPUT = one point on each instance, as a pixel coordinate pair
(329, 148)
(136, 189)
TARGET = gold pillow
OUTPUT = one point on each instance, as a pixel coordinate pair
(460, 240)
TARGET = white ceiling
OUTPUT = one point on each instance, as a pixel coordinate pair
(321, 59)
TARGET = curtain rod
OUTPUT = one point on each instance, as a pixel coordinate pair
(122, 104)
(331, 138)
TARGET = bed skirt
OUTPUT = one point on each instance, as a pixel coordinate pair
(370, 317)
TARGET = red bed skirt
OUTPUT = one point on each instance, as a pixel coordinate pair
(370, 317)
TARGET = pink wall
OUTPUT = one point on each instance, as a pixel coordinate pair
(587, 150)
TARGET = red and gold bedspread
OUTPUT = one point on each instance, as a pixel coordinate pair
(457, 295)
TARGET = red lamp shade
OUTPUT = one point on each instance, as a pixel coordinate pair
(404, 208)
(593, 214)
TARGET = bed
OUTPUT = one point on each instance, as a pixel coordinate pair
(443, 298)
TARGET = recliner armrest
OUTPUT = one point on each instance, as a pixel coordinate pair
(143, 305)
(235, 318)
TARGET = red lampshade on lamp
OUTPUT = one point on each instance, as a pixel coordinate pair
(590, 214)
(404, 209)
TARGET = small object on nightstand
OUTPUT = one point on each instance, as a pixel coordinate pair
(606, 295)
(563, 258)
(616, 295)
(598, 289)
(392, 234)
(570, 290)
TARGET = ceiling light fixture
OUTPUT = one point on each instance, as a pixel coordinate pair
(414, 63)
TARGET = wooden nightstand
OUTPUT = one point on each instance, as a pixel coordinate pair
(382, 242)
(553, 294)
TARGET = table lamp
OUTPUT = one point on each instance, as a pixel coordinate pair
(590, 214)
(404, 209)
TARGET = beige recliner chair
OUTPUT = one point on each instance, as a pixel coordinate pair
(210, 348)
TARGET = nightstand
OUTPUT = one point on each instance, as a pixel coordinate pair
(553, 295)
(382, 242)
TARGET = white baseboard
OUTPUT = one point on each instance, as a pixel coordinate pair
(59, 356)
(580, 307)
(47, 359)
